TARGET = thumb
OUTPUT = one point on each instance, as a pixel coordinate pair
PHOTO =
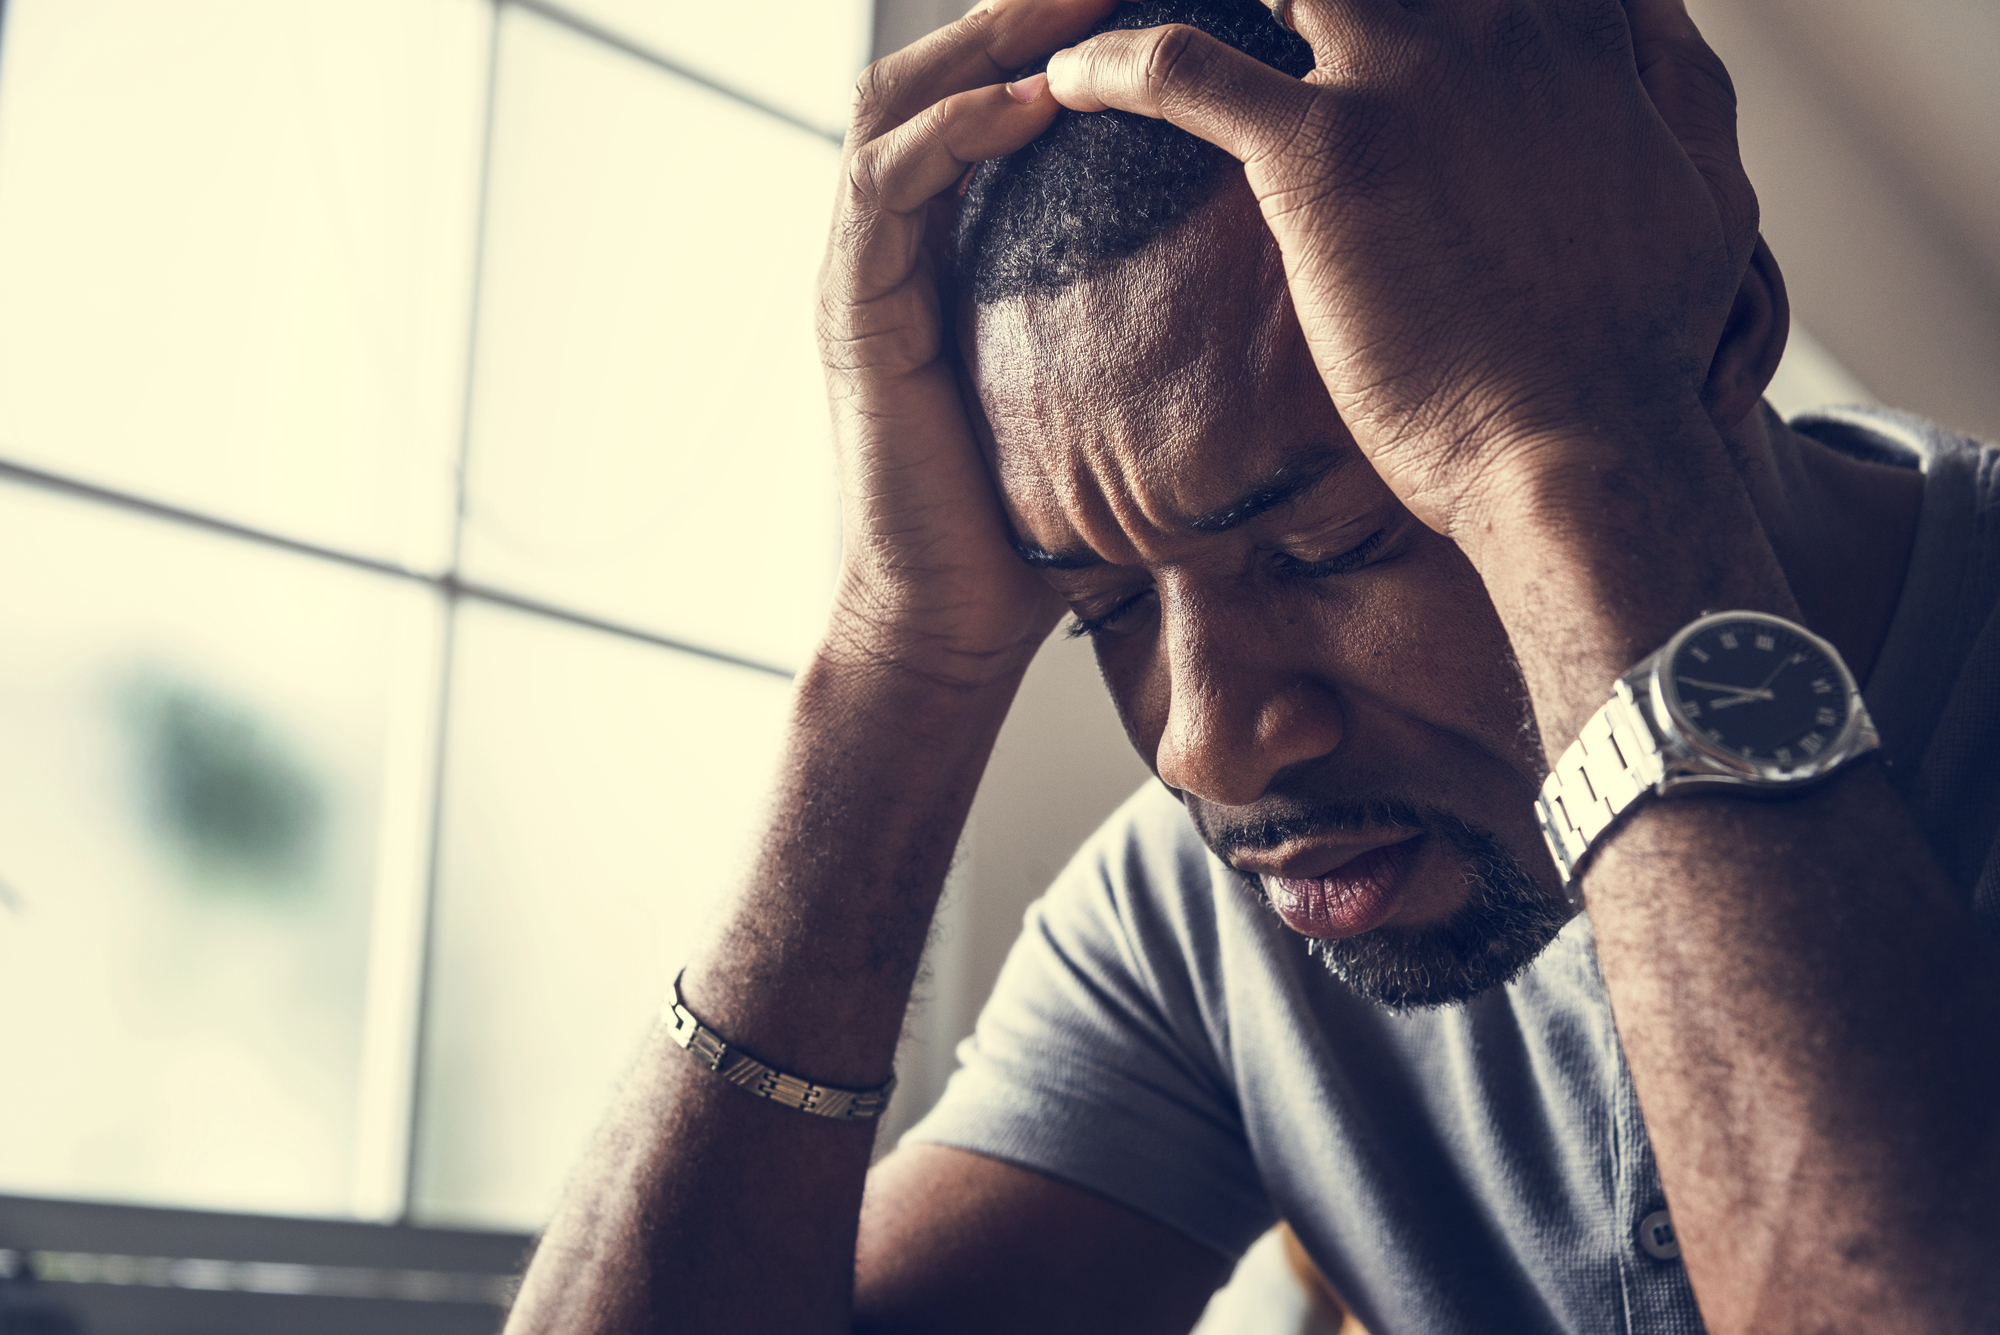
(1182, 75)
(1691, 90)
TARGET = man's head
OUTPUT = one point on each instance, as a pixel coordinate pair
(1321, 677)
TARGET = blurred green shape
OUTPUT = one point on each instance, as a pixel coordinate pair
(221, 786)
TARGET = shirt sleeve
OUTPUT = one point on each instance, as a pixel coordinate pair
(1096, 1058)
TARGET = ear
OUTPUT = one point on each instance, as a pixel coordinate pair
(1752, 341)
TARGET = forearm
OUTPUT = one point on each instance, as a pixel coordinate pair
(700, 1206)
(1809, 1015)
(1807, 1007)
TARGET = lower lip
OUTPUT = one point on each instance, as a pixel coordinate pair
(1353, 898)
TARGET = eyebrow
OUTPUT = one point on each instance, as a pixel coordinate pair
(1297, 474)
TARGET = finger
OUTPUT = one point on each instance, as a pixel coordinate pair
(890, 180)
(983, 48)
(901, 171)
(1691, 89)
(1183, 75)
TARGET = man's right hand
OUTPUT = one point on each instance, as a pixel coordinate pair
(699, 1206)
(929, 581)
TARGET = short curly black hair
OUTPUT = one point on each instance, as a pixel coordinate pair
(1094, 189)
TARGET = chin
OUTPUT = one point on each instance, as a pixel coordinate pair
(1504, 921)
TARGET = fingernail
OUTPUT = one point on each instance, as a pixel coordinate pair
(1028, 89)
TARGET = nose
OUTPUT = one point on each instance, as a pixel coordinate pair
(1242, 705)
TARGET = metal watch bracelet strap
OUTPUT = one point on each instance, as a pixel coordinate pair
(1603, 772)
(746, 1072)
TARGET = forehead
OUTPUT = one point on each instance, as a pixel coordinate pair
(1154, 392)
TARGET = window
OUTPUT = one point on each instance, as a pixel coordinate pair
(414, 496)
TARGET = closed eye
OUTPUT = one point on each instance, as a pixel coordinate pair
(1352, 559)
(1079, 627)
(1288, 565)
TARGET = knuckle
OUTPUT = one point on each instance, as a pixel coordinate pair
(898, 80)
(874, 92)
(1597, 27)
(1707, 69)
(880, 173)
(1172, 58)
(871, 87)
(866, 167)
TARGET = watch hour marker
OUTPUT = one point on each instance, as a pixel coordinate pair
(1715, 734)
(1821, 686)
(1767, 643)
(1692, 708)
(1700, 656)
(1784, 755)
(1826, 718)
(1812, 743)
(1728, 638)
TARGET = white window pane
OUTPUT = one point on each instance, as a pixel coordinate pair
(649, 436)
(237, 254)
(599, 794)
(200, 739)
(801, 56)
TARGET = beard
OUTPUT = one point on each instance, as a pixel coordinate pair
(1506, 921)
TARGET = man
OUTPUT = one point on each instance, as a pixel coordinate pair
(1370, 467)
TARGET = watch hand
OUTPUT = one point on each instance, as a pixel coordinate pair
(1739, 700)
(1783, 663)
(1747, 692)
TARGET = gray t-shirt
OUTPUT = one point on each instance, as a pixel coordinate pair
(1161, 1039)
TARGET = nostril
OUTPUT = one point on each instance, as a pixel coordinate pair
(1204, 765)
(1230, 757)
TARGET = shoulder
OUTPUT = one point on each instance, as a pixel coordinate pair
(1141, 895)
(1933, 692)
(1147, 847)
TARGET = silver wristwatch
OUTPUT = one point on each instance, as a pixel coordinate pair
(1737, 700)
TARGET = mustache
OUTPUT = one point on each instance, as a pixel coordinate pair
(1276, 828)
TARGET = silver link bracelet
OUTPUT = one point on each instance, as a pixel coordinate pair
(1602, 773)
(739, 1068)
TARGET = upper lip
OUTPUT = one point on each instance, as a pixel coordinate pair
(1319, 855)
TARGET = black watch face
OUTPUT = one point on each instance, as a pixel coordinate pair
(1759, 692)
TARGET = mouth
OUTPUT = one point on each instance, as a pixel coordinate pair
(1330, 890)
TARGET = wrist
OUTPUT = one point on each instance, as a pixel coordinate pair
(941, 645)
(1597, 554)
(867, 696)
(810, 967)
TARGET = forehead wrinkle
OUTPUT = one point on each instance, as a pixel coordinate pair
(1156, 468)
(1103, 477)
(1148, 468)
(1128, 405)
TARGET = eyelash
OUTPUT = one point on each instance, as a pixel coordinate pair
(1079, 627)
(1351, 559)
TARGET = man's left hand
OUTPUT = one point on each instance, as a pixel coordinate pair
(1513, 228)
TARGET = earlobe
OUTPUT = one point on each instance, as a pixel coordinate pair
(1752, 342)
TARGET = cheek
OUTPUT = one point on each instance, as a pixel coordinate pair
(1134, 670)
(1417, 638)
(1429, 644)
